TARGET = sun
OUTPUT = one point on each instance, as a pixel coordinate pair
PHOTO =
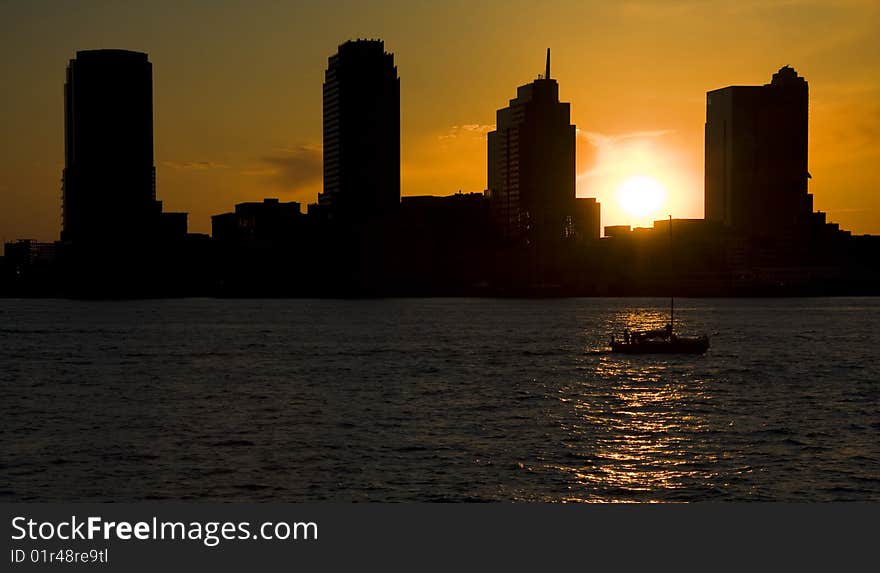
(641, 196)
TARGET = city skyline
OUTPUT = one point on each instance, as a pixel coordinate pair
(214, 149)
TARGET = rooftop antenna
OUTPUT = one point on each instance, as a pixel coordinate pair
(547, 73)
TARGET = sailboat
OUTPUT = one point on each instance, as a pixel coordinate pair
(660, 341)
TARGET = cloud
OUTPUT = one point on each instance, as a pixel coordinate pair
(194, 165)
(471, 130)
(603, 140)
(293, 169)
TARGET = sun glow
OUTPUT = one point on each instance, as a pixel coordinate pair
(640, 177)
(641, 196)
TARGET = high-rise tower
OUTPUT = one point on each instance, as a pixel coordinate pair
(531, 163)
(109, 190)
(756, 156)
(361, 133)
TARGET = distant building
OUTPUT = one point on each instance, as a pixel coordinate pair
(452, 220)
(682, 227)
(266, 221)
(28, 268)
(109, 180)
(618, 231)
(756, 156)
(445, 242)
(361, 133)
(173, 226)
(666, 230)
(531, 163)
(25, 252)
(587, 218)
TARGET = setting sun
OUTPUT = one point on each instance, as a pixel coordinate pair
(639, 176)
(641, 196)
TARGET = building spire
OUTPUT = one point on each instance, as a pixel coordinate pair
(547, 73)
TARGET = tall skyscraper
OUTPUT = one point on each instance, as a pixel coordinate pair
(361, 133)
(109, 183)
(756, 156)
(531, 163)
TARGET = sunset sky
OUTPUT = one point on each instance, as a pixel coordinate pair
(238, 93)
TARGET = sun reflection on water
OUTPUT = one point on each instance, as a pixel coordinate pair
(636, 425)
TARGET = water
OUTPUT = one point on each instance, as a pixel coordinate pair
(436, 400)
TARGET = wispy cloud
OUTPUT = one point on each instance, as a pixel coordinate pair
(293, 169)
(194, 165)
(471, 130)
(607, 140)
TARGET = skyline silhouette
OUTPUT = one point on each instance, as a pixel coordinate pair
(527, 234)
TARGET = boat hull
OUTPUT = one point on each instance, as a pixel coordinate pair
(677, 346)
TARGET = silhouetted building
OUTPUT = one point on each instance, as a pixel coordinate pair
(173, 226)
(445, 242)
(109, 180)
(756, 156)
(29, 268)
(115, 240)
(531, 163)
(455, 220)
(587, 218)
(262, 249)
(25, 252)
(269, 220)
(683, 228)
(618, 231)
(361, 133)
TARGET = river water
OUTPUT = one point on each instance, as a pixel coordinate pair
(437, 400)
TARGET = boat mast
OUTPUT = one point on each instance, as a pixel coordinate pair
(671, 289)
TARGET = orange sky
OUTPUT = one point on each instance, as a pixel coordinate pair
(238, 92)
